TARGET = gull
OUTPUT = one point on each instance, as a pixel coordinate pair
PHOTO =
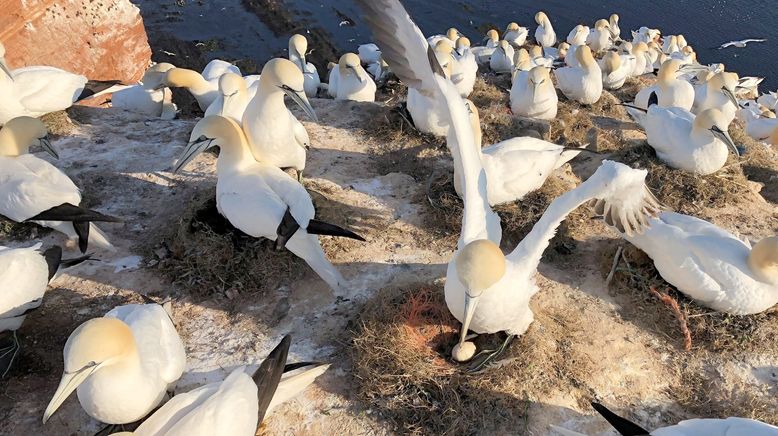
(275, 135)
(31, 189)
(486, 290)
(38, 90)
(121, 364)
(740, 44)
(146, 98)
(261, 200)
(24, 275)
(298, 46)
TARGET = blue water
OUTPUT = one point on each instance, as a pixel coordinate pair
(706, 24)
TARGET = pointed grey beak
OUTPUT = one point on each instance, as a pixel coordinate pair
(301, 57)
(485, 40)
(192, 150)
(4, 67)
(726, 139)
(300, 98)
(729, 95)
(359, 76)
(470, 304)
(46, 144)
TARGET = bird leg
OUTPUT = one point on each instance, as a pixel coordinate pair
(485, 357)
(9, 350)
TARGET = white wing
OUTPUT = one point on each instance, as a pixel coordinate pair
(718, 427)
(23, 280)
(29, 185)
(217, 68)
(292, 384)
(47, 89)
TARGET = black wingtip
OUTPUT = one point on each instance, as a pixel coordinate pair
(286, 229)
(69, 212)
(53, 258)
(434, 64)
(93, 87)
(316, 227)
(295, 366)
(624, 426)
(632, 106)
(653, 99)
(269, 373)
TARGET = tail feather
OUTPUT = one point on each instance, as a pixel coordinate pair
(295, 382)
(316, 227)
(268, 375)
(307, 247)
(624, 426)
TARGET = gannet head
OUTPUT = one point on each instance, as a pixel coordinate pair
(298, 46)
(669, 70)
(538, 76)
(614, 19)
(611, 62)
(95, 344)
(584, 56)
(713, 121)
(535, 51)
(3, 65)
(211, 131)
(725, 82)
(154, 76)
(282, 74)
(521, 60)
(763, 260)
(626, 47)
(602, 25)
(512, 27)
(349, 63)
(492, 35)
(462, 44)
(541, 18)
(475, 121)
(479, 265)
(639, 48)
(453, 34)
(563, 48)
(20, 133)
(231, 84)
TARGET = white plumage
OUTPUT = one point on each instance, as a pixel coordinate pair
(145, 97)
(24, 276)
(583, 83)
(533, 95)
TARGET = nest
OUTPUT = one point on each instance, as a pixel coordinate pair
(24, 231)
(208, 256)
(401, 351)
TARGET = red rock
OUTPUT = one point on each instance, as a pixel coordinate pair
(100, 39)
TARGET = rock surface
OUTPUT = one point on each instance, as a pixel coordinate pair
(103, 40)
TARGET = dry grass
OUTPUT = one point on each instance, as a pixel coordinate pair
(759, 163)
(401, 351)
(208, 256)
(58, 123)
(11, 230)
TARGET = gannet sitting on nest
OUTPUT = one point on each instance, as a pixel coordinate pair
(298, 46)
(515, 35)
(146, 98)
(24, 275)
(544, 34)
(261, 200)
(669, 89)
(353, 83)
(584, 82)
(121, 364)
(487, 291)
(32, 189)
(533, 95)
(233, 98)
(38, 90)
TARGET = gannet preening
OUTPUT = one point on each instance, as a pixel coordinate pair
(533, 95)
(502, 58)
(353, 83)
(484, 53)
(452, 34)
(691, 427)
(122, 364)
(298, 46)
(577, 37)
(204, 86)
(24, 275)
(614, 71)
(369, 53)
(698, 144)
(32, 189)
(583, 83)
(646, 35)
(276, 137)
(466, 67)
(232, 99)
(669, 89)
(38, 90)
(614, 26)
(238, 404)
(718, 93)
(146, 98)
(600, 38)
(740, 44)
(515, 35)
(486, 290)
(260, 199)
(544, 34)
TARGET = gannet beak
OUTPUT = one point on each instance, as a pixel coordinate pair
(301, 57)
(300, 98)
(5, 68)
(729, 95)
(485, 40)
(68, 384)
(359, 76)
(192, 150)
(470, 305)
(46, 144)
(535, 87)
(724, 137)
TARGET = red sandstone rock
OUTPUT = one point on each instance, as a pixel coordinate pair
(100, 39)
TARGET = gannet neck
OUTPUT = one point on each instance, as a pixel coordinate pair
(611, 62)
(763, 260)
(19, 134)
(298, 45)
(668, 72)
(480, 265)
(235, 153)
(585, 57)
(184, 78)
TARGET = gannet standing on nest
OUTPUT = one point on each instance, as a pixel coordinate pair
(122, 364)
(353, 83)
(298, 46)
(583, 83)
(24, 275)
(487, 291)
(146, 98)
(275, 135)
(236, 405)
(533, 95)
(38, 90)
(32, 189)
(544, 34)
(261, 200)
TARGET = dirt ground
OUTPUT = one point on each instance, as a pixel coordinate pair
(122, 162)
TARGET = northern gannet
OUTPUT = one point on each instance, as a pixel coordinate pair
(614, 71)
(146, 98)
(533, 95)
(502, 58)
(24, 275)
(669, 89)
(369, 54)
(484, 53)
(646, 35)
(515, 35)
(32, 189)
(353, 83)
(232, 99)
(298, 47)
(121, 364)
(332, 79)
(583, 83)
(544, 34)
(643, 65)
(452, 34)
(426, 113)
(275, 135)
(487, 291)
(770, 100)
(614, 24)
(466, 67)
(204, 86)
(577, 37)
(718, 93)
(38, 90)
(260, 199)
(760, 125)
(600, 38)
